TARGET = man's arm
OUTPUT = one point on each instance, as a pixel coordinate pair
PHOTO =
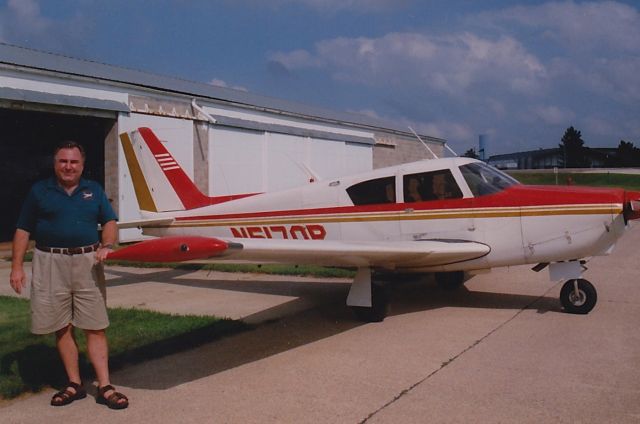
(20, 243)
(109, 235)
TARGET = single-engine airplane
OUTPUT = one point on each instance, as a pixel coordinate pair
(449, 216)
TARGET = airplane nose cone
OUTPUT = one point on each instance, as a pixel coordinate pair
(631, 205)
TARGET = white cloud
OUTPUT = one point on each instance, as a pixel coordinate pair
(582, 26)
(554, 115)
(220, 83)
(596, 44)
(342, 5)
(22, 23)
(450, 64)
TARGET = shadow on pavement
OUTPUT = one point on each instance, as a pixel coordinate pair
(328, 317)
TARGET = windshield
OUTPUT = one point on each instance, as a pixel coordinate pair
(484, 179)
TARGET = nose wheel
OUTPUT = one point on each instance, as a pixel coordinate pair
(578, 296)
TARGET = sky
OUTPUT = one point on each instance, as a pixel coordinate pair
(520, 72)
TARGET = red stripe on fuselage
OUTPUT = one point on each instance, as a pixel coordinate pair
(515, 196)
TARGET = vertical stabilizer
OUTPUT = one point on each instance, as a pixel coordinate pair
(161, 185)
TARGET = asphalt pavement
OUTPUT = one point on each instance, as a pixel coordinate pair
(499, 350)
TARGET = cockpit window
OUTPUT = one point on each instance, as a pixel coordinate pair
(371, 192)
(484, 179)
(434, 185)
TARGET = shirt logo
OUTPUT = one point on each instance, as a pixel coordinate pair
(87, 195)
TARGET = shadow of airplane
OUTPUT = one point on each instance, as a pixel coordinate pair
(328, 317)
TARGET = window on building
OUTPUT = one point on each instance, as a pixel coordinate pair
(435, 185)
(371, 192)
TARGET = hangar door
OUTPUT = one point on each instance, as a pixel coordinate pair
(26, 148)
(250, 161)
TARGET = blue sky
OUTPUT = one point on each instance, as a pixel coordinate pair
(520, 72)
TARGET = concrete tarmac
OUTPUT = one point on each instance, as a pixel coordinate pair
(500, 350)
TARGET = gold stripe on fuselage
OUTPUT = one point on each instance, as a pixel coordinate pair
(408, 215)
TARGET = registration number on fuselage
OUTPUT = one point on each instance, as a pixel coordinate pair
(296, 232)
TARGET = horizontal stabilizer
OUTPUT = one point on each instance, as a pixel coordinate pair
(140, 223)
(172, 249)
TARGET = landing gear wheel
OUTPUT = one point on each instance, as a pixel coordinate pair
(450, 281)
(379, 305)
(578, 296)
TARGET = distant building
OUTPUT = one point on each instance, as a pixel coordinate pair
(550, 158)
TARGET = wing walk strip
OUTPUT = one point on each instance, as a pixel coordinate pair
(525, 211)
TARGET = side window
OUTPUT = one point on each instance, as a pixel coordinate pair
(436, 185)
(380, 190)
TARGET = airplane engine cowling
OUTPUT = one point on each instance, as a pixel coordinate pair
(171, 249)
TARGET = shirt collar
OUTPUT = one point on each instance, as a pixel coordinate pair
(52, 183)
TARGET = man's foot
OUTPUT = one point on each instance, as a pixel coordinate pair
(107, 395)
(73, 391)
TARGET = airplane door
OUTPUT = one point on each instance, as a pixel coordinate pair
(377, 218)
(435, 207)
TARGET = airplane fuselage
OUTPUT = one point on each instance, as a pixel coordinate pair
(521, 224)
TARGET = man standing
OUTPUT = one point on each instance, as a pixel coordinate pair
(68, 285)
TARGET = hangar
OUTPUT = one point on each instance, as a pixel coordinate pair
(229, 141)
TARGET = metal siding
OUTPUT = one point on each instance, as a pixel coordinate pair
(291, 130)
(39, 97)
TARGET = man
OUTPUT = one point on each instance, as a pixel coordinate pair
(68, 285)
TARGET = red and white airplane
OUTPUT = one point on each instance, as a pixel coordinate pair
(448, 216)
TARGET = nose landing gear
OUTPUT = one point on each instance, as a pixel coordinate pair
(578, 296)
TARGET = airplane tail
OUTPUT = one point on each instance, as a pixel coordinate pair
(160, 183)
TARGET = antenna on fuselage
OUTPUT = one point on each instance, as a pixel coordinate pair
(430, 151)
(423, 143)
(450, 149)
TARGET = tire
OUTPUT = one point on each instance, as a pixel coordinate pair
(450, 281)
(379, 305)
(582, 303)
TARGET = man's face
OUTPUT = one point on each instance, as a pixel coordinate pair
(68, 166)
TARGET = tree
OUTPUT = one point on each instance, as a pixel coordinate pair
(573, 150)
(627, 155)
(471, 153)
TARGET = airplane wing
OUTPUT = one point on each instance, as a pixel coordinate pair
(393, 254)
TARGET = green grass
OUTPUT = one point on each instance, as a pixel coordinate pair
(625, 181)
(29, 362)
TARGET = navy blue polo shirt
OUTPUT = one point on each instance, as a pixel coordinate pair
(57, 219)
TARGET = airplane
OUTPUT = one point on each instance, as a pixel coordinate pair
(453, 217)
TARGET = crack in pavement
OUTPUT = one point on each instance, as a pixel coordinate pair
(452, 359)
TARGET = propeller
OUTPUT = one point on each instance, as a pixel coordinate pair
(631, 205)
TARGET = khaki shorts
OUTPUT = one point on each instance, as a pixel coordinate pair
(67, 289)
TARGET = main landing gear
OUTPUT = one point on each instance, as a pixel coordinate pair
(368, 297)
(450, 281)
(379, 308)
(578, 296)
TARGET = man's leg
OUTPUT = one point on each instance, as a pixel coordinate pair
(68, 350)
(98, 350)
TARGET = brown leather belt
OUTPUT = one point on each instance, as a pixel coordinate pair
(69, 250)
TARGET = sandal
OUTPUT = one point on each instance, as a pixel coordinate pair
(65, 397)
(114, 401)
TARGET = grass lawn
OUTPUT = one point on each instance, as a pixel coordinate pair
(625, 181)
(29, 362)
